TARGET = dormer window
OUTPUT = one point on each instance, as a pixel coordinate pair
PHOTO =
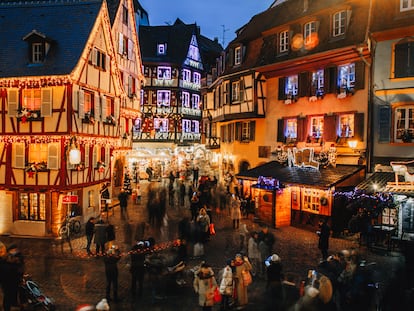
(162, 49)
(406, 5)
(237, 55)
(39, 46)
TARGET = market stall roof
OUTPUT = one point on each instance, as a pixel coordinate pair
(385, 182)
(321, 178)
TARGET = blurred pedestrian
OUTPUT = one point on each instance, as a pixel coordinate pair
(203, 223)
(204, 285)
(89, 232)
(226, 286)
(111, 272)
(123, 200)
(100, 237)
(241, 265)
(235, 212)
(194, 206)
(274, 278)
(110, 234)
(137, 270)
(253, 252)
(324, 233)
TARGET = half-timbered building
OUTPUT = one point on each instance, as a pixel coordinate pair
(63, 110)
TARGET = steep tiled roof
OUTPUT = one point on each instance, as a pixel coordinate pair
(322, 178)
(67, 23)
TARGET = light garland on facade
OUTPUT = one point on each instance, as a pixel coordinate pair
(34, 82)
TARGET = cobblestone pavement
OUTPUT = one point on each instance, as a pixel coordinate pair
(73, 279)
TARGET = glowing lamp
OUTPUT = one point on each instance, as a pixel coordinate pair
(74, 153)
(352, 144)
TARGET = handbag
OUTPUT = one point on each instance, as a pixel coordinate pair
(212, 229)
(217, 296)
(247, 277)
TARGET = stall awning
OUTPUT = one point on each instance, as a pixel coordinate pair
(320, 178)
(385, 182)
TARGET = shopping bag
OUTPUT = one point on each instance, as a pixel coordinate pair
(212, 229)
(247, 277)
(198, 250)
(217, 296)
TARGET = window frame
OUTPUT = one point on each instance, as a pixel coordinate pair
(318, 83)
(186, 75)
(197, 78)
(316, 126)
(346, 77)
(339, 23)
(292, 86)
(162, 49)
(195, 101)
(185, 100)
(164, 73)
(291, 126)
(37, 52)
(40, 206)
(161, 101)
(237, 55)
(161, 125)
(235, 91)
(408, 120)
(349, 130)
(284, 41)
(409, 5)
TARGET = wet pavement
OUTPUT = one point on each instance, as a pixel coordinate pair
(73, 278)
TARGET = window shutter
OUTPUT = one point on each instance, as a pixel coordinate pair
(87, 153)
(281, 130)
(120, 43)
(130, 49)
(130, 93)
(19, 160)
(282, 88)
(95, 57)
(359, 126)
(238, 134)
(329, 128)
(107, 156)
(304, 84)
(330, 79)
(53, 156)
(359, 75)
(384, 129)
(47, 103)
(252, 130)
(301, 135)
(241, 89)
(103, 107)
(12, 102)
(95, 156)
(81, 101)
(231, 57)
(116, 109)
(97, 107)
(401, 57)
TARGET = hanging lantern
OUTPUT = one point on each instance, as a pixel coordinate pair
(74, 153)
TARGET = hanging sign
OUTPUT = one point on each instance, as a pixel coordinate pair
(70, 199)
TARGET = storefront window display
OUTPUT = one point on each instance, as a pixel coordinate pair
(32, 206)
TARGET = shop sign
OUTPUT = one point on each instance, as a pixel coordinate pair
(70, 199)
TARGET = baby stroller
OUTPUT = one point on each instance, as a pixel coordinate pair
(32, 297)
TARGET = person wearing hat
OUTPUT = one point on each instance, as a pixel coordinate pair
(204, 285)
(111, 272)
(241, 264)
(102, 305)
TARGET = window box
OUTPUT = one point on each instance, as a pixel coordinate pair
(24, 115)
(89, 118)
(100, 165)
(407, 136)
(110, 120)
(79, 167)
(34, 167)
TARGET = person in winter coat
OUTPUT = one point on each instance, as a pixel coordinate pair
(137, 255)
(240, 264)
(100, 237)
(111, 272)
(274, 288)
(110, 234)
(89, 232)
(203, 224)
(324, 234)
(226, 287)
(204, 285)
(253, 252)
(235, 211)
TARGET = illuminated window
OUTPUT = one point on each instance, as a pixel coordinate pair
(197, 78)
(162, 48)
(346, 77)
(346, 125)
(88, 104)
(32, 206)
(284, 41)
(406, 5)
(404, 123)
(186, 126)
(195, 126)
(311, 200)
(108, 109)
(237, 55)
(38, 153)
(339, 23)
(317, 83)
(163, 73)
(163, 98)
(186, 99)
(291, 87)
(195, 100)
(161, 125)
(245, 131)
(186, 75)
(308, 29)
(291, 130)
(316, 127)
(32, 99)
